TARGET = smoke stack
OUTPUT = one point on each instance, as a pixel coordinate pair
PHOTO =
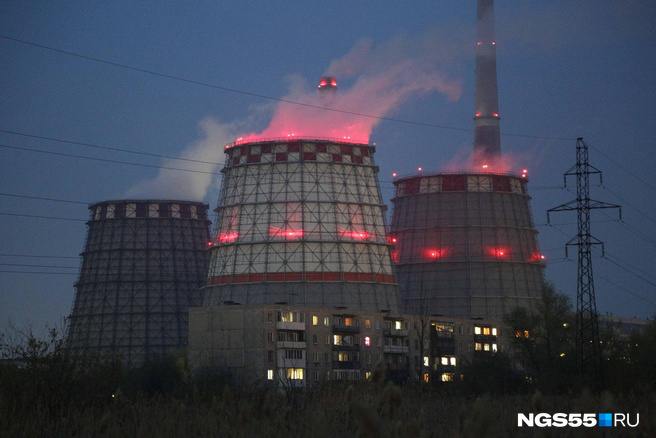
(487, 137)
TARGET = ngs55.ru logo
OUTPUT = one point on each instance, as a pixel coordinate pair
(561, 419)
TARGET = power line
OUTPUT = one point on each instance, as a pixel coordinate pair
(621, 198)
(635, 274)
(106, 147)
(38, 272)
(43, 198)
(611, 282)
(258, 95)
(104, 160)
(39, 256)
(26, 265)
(4, 213)
(621, 166)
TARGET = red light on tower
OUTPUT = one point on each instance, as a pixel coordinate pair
(392, 240)
(286, 233)
(327, 83)
(228, 237)
(355, 235)
(499, 252)
(435, 253)
(394, 174)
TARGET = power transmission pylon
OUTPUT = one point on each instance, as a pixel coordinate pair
(588, 349)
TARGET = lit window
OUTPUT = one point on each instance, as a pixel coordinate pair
(315, 320)
(295, 373)
(367, 341)
(477, 330)
(452, 360)
(367, 375)
(444, 360)
(343, 356)
(326, 321)
(398, 325)
(447, 377)
(486, 347)
(494, 347)
(426, 377)
(426, 361)
(269, 374)
(337, 339)
(348, 322)
(486, 331)
(494, 331)
(478, 346)
(367, 323)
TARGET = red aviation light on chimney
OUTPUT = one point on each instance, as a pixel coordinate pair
(228, 237)
(327, 82)
(391, 239)
(537, 257)
(286, 233)
(394, 174)
(435, 253)
(524, 173)
(499, 252)
(355, 235)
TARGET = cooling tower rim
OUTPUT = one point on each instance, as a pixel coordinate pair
(400, 179)
(299, 139)
(147, 201)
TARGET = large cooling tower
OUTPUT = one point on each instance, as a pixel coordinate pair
(142, 266)
(465, 245)
(301, 221)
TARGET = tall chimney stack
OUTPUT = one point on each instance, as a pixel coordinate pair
(487, 137)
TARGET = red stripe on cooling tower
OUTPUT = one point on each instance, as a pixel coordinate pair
(356, 277)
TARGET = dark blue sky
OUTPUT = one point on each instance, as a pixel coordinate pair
(566, 69)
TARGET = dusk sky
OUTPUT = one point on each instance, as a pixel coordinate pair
(566, 69)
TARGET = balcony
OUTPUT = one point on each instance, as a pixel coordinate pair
(395, 332)
(395, 349)
(290, 344)
(298, 326)
(346, 365)
(346, 347)
(346, 329)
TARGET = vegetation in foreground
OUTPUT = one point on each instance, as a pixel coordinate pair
(44, 394)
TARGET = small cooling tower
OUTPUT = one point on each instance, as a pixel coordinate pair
(142, 266)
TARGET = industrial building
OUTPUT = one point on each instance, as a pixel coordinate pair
(297, 346)
(301, 222)
(142, 266)
(465, 242)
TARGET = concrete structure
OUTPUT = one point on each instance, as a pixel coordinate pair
(465, 245)
(301, 221)
(299, 347)
(142, 266)
(487, 136)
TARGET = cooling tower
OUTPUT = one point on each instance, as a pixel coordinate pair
(301, 222)
(142, 266)
(465, 245)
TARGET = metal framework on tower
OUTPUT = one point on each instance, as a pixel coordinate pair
(588, 349)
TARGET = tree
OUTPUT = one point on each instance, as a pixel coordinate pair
(543, 340)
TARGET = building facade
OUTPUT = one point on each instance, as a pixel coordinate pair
(302, 347)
